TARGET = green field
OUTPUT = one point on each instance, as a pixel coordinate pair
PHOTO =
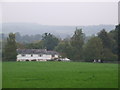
(59, 75)
(0, 74)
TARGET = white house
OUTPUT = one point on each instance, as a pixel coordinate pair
(36, 55)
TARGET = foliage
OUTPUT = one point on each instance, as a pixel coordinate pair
(36, 45)
(108, 55)
(20, 46)
(118, 30)
(110, 44)
(78, 47)
(77, 42)
(107, 42)
(114, 39)
(49, 41)
(65, 49)
(93, 49)
(27, 38)
(10, 52)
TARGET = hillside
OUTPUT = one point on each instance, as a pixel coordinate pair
(60, 31)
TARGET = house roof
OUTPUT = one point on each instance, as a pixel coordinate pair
(36, 51)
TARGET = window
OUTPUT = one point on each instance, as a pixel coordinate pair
(53, 55)
(40, 55)
(23, 55)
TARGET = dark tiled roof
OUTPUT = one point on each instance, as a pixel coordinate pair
(36, 51)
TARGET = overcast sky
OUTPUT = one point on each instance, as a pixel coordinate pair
(61, 13)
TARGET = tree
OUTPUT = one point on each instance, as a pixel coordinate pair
(3, 43)
(110, 46)
(36, 45)
(10, 52)
(77, 42)
(114, 39)
(27, 38)
(18, 37)
(118, 30)
(93, 49)
(103, 35)
(107, 55)
(49, 41)
(20, 45)
(65, 49)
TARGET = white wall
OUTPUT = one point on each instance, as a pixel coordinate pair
(35, 56)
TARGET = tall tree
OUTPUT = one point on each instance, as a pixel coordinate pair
(103, 35)
(109, 45)
(114, 39)
(65, 49)
(49, 41)
(18, 37)
(93, 49)
(10, 52)
(35, 45)
(77, 42)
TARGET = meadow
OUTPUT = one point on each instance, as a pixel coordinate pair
(0, 74)
(59, 75)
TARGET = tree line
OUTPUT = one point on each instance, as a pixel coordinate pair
(102, 46)
(23, 38)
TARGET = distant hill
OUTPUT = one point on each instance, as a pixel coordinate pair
(61, 31)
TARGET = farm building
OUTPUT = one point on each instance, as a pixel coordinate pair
(38, 55)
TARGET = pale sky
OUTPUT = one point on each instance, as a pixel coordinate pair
(61, 13)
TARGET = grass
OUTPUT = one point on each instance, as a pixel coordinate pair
(0, 74)
(59, 75)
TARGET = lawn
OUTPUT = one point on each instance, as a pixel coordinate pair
(59, 75)
(0, 74)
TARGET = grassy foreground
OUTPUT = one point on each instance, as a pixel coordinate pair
(59, 75)
(0, 74)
